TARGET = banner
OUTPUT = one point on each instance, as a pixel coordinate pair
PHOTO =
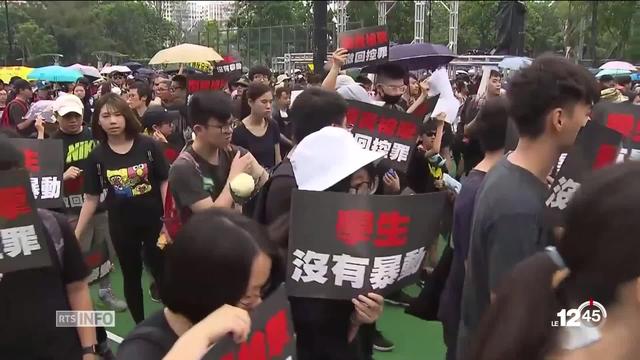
(44, 160)
(271, 334)
(223, 68)
(202, 82)
(385, 130)
(596, 146)
(358, 244)
(22, 242)
(625, 119)
(367, 46)
(426, 108)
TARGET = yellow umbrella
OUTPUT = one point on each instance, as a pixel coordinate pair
(185, 53)
(7, 72)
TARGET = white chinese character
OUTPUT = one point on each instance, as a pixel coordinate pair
(35, 187)
(76, 200)
(561, 159)
(350, 58)
(226, 68)
(50, 187)
(21, 239)
(363, 140)
(382, 52)
(399, 152)
(562, 193)
(382, 146)
(360, 56)
(349, 268)
(232, 67)
(412, 262)
(313, 264)
(66, 202)
(385, 271)
(371, 54)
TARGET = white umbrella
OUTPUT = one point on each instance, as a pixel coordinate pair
(86, 70)
(184, 54)
(115, 68)
(514, 63)
(618, 65)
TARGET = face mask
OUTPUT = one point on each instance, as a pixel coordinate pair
(391, 99)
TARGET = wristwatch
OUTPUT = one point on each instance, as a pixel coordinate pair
(91, 349)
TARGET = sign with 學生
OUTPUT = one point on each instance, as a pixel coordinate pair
(22, 242)
(45, 162)
(271, 334)
(385, 130)
(366, 46)
(358, 244)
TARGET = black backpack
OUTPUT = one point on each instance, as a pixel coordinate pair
(259, 213)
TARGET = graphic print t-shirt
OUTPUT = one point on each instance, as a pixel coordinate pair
(132, 179)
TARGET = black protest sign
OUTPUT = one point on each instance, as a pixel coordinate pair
(426, 107)
(385, 130)
(44, 160)
(367, 46)
(625, 119)
(224, 67)
(596, 146)
(271, 334)
(358, 244)
(203, 82)
(22, 242)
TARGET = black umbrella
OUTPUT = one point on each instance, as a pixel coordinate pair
(417, 56)
(133, 65)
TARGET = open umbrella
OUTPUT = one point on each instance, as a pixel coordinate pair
(417, 56)
(54, 73)
(7, 72)
(185, 53)
(514, 63)
(618, 65)
(612, 72)
(115, 68)
(86, 70)
(132, 65)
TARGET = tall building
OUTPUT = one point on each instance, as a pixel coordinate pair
(219, 11)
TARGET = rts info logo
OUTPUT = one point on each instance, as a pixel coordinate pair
(589, 313)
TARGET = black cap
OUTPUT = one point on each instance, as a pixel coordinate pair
(157, 114)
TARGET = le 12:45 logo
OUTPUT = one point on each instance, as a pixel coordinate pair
(589, 313)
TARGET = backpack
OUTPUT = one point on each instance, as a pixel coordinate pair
(171, 218)
(283, 169)
(4, 118)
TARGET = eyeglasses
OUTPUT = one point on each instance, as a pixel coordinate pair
(401, 88)
(227, 127)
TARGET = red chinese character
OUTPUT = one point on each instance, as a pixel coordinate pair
(387, 126)
(354, 226)
(371, 40)
(13, 202)
(606, 155)
(368, 120)
(407, 131)
(622, 123)
(254, 348)
(382, 37)
(352, 116)
(31, 160)
(392, 229)
(277, 334)
(193, 86)
(346, 42)
(359, 42)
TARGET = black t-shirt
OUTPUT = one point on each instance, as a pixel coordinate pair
(30, 298)
(132, 180)
(278, 197)
(76, 150)
(471, 150)
(508, 226)
(286, 129)
(150, 340)
(261, 147)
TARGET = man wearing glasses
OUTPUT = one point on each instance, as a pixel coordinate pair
(199, 178)
(390, 85)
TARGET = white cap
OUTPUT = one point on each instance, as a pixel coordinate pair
(327, 156)
(281, 78)
(344, 80)
(68, 103)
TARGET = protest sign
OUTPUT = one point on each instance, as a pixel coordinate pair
(596, 146)
(225, 67)
(625, 119)
(97, 259)
(426, 108)
(271, 334)
(202, 82)
(45, 162)
(385, 130)
(22, 242)
(367, 46)
(358, 244)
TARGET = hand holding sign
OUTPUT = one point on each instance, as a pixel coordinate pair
(339, 57)
(367, 308)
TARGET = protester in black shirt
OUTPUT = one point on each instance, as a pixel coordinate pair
(139, 97)
(30, 298)
(549, 102)
(428, 166)
(18, 108)
(260, 74)
(281, 116)
(220, 262)
(82, 92)
(390, 85)
(134, 171)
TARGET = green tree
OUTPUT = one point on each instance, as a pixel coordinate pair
(33, 40)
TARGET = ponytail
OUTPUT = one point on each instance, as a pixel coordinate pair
(518, 323)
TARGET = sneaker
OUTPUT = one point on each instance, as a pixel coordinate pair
(382, 344)
(399, 298)
(111, 301)
(154, 293)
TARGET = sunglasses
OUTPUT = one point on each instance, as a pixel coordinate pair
(431, 133)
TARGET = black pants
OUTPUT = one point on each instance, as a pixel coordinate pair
(130, 241)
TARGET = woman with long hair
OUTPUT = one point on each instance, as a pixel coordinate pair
(134, 172)
(596, 260)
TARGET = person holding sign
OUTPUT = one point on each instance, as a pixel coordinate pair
(220, 263)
